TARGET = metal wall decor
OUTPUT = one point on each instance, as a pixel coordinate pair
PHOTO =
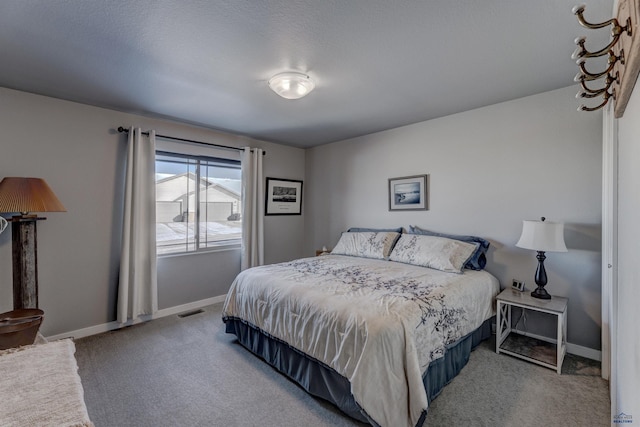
(623, 62)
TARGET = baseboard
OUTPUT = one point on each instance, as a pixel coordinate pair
(189, 306)
(587, 352)
(112, 326)
(576, 349)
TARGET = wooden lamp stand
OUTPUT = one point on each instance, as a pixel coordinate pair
(25, 261)
(24, 195)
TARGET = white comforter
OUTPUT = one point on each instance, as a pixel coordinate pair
(377, 323)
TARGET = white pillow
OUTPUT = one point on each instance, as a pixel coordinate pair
(376, 245)
(435, 252)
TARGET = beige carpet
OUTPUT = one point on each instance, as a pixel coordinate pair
(504, 391)
(187, 371)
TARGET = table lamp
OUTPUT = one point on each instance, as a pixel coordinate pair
(542, 237)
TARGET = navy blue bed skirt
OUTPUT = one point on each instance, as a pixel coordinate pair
(322, 381)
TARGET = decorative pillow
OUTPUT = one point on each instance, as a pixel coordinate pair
(435, 252)
(477, 261)
(374, 230)
(366, 244)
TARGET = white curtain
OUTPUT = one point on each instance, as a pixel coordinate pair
(252, 208)
(138, 287)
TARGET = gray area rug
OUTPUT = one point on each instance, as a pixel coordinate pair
(187, 372)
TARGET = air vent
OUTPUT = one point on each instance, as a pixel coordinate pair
(190, 313)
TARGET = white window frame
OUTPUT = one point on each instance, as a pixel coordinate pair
(199, 161)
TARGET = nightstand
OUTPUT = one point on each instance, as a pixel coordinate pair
(508, 339)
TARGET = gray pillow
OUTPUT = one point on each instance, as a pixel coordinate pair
(373, 230)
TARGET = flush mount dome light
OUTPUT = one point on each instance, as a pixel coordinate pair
(291, 84)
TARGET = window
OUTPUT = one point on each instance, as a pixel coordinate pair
(198, 203)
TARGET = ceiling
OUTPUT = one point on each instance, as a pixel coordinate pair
(377, 64)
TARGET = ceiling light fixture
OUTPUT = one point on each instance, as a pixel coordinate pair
(291, 84)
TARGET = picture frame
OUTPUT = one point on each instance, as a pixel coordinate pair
(409, 193)
(283, 197)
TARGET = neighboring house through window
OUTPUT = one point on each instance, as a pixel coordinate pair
(198, 203)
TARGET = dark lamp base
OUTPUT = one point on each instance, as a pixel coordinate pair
(540, 293)
(541, 278)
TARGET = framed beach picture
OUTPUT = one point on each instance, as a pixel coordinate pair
(408, 193)
(283, 197)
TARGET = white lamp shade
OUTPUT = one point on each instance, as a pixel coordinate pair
(291, 85)
(542, 236)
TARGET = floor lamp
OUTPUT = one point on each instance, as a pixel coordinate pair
(24, 196)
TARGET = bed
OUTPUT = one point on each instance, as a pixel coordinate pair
(377, 327)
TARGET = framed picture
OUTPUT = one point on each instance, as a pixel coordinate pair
(283, 197)
(408, 193)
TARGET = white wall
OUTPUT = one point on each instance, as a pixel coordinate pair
(76, 149)
(626, 373)
(489, 169)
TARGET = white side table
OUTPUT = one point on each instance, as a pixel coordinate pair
(550, 356)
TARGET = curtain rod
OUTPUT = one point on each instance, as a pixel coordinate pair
(191, 141)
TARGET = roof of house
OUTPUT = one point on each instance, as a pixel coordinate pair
(229, 187)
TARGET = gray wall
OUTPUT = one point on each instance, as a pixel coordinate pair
(76, 149)
(489, 169)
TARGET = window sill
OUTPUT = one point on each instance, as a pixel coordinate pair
(225, 248)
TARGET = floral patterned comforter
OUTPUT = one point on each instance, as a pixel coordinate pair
(377, 323)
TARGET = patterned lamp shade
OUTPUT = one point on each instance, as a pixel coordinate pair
(26, 195)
